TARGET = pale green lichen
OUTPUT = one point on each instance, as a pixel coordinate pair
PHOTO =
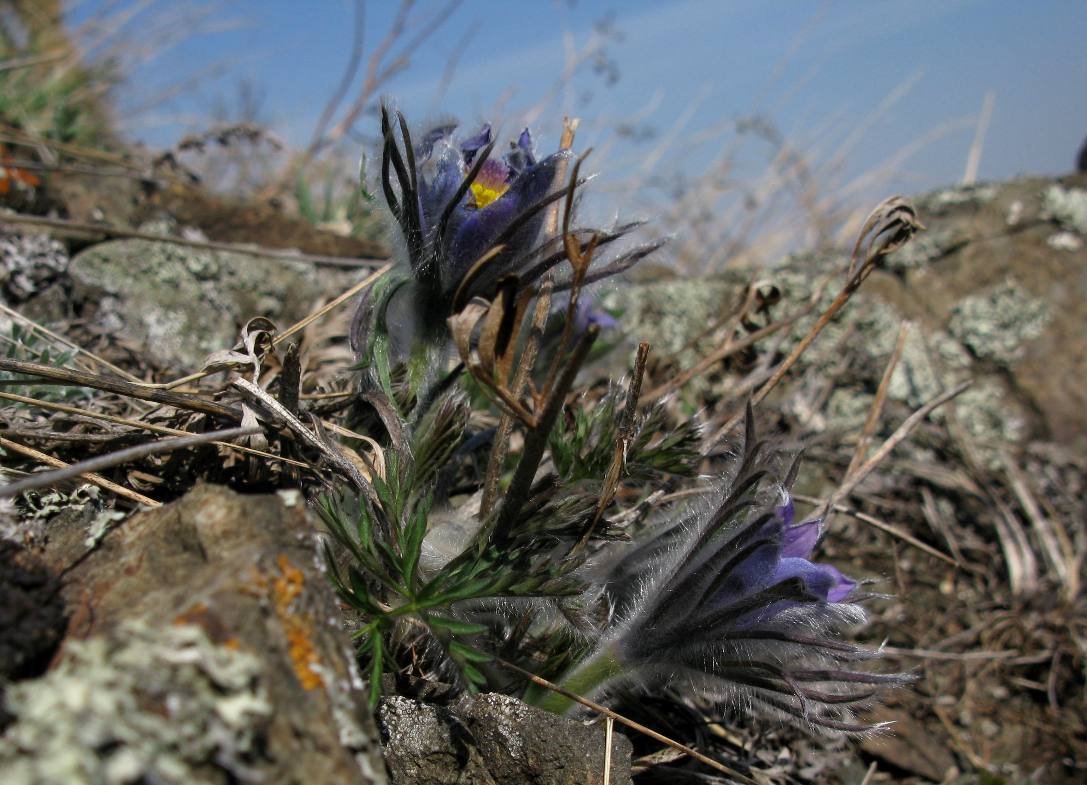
(925, 249)
(991, 418)
(671, 312)
(144, 705)
(995, 324)
(847, 409)
(929, 365)
(1064, 241)
(939, 201)
(186, 303)
(104, 522)
(1066, 206)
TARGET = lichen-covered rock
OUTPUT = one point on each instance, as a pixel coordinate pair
(997, 323)
(244, 573)
(143, 704)
(28, 264)
(181, 304)
(1066, 206)
(992, 298)
(494, 740)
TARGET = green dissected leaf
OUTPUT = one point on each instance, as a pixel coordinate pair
(467, 653)
(386, 495)
(478, 588)
(414, 533)
(360, 592)
(475, 678)
(454, 626)
(380, 354)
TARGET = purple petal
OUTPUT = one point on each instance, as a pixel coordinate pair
(842, 587)
(787, 511)
(426, 144)
(473, 144)
(821, 580)
(587, 314)
(521, 157)
(799, 541)
(481, 228)
(752, 575)
(445, 175)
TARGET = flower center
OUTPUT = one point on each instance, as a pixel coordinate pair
(490, 184)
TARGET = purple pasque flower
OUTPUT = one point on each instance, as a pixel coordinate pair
(588, 314)
(454, 201)
(798, 542)
(727, 604)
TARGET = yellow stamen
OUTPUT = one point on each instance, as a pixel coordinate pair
(483, 195)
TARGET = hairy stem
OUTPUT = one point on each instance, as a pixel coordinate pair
(584, 679)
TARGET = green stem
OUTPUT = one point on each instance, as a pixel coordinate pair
(582, 680)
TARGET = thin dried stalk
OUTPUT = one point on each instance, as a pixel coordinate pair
(15, 63)
(605, 711)
(314, 440)
(307, 321)
(10, 133)
(1014, 543)
(501, 444)
(973, 160)
(1056, 545)
(99, 382)
(121, 456)
(731, 347)
(579, 262)
(889, 528)
(115, 231)
(888, 227)
(938, 523)
(896, 438)
(91, 477)
(60, 407)
(609, 723)
(872, 420)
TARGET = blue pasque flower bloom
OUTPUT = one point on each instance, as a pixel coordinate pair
(467, 220)
(727, 605)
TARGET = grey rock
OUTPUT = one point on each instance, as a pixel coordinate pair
(204, 644)
(495, 740)
(181, 304)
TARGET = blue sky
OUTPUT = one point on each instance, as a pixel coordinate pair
(818, 70)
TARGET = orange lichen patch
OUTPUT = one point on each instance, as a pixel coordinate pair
(285, 588)
(12, 175)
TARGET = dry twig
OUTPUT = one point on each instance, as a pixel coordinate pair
(120, 456)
